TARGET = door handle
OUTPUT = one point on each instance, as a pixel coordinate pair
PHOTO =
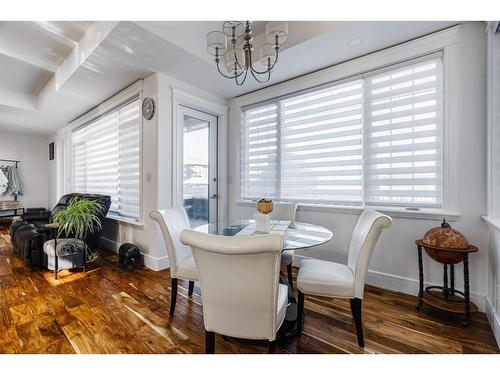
(213, 196)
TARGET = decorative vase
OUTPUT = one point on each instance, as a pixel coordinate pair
(265, 206)
(262, 223)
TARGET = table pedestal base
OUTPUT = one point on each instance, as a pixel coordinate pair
(289, 327)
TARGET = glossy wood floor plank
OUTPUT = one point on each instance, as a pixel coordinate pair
(109, 310)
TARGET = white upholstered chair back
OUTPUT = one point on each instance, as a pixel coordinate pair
(364, 238)
(239, 279)
(284, 211)
(172, 222)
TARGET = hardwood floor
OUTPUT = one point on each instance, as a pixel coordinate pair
(109, 310)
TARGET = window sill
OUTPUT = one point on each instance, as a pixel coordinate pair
(423, 214)
(121, 220)
(492, 222)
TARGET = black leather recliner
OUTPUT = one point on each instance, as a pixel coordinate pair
(29, 234)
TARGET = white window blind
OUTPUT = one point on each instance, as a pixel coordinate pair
(403, 135)
(375, 140)
(106, 159)
(259, 152)
(321, 145)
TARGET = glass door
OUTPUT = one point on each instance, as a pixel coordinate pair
(199, 166)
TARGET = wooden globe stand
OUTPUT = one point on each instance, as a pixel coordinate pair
(446, 297)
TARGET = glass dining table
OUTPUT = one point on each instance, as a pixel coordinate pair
(297, 235)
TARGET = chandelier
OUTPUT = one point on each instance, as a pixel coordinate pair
(234, 44)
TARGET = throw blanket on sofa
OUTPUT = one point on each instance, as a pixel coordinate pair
(71, 247)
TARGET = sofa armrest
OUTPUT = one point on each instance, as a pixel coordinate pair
(36, 209)
(30, 216)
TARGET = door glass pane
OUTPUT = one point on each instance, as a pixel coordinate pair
(195, 170)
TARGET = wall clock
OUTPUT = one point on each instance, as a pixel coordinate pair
(148, 108)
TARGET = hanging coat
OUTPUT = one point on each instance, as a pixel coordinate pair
(15, 186)
(4, 182)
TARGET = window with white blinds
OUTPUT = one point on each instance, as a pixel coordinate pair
(106, 159)
(373, 139)
(403, 135)
(260, 156)
(321, 145)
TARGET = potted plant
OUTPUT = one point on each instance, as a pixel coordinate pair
(77, 219)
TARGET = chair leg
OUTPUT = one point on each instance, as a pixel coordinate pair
(173, 296)
(300, 314)
(358, 322)
(191, 288)
(289, 272)
(271, 347)
(85, 260)
(56, 266)
(209, 342)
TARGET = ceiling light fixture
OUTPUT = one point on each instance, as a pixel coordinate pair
(234, 43)
(355, 42)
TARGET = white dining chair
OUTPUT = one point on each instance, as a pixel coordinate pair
(285, 211)
(329, 279)
(240, 289)
(172, 222)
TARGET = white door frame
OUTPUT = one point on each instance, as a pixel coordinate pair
(182, 111)
(213, 107)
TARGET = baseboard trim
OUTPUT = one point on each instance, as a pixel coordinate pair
(109, 244)
(399, 283)
(153, 263)
(494, 320)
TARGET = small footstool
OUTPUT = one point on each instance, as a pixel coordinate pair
(65, 254)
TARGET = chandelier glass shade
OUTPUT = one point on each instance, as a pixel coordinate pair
(232, 47)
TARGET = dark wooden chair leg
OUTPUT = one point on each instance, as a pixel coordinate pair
(289, 272)
(356, 314)
(191, 288)
(300, 314)
(271, 347)
(173, 296)
(56, 266)
(209, 342)
(85, 260)
(56, 260)
(30, 247)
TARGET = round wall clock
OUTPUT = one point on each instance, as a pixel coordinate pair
(148, 108)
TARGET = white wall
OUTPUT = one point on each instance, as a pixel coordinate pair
(493, 297)
(394, 263)
(493, 217)
(33, 152)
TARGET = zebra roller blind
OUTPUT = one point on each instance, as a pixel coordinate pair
(106, 159)
(403, 135)
(375, 139)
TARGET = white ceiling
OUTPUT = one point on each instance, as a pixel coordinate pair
(51, 72)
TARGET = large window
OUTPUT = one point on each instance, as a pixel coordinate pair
(106, 159)
(372, 139)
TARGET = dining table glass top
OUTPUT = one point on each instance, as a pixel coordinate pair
(298, 235)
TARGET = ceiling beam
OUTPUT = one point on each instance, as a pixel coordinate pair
(51, 28)
(88, 43)
(17, 100)
(38, 63)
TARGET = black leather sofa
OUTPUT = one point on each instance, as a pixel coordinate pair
(29, 234)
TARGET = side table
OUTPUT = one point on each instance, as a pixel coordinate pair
(53, 227)
(446, 297)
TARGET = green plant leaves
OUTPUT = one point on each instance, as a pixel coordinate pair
(78, 218)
